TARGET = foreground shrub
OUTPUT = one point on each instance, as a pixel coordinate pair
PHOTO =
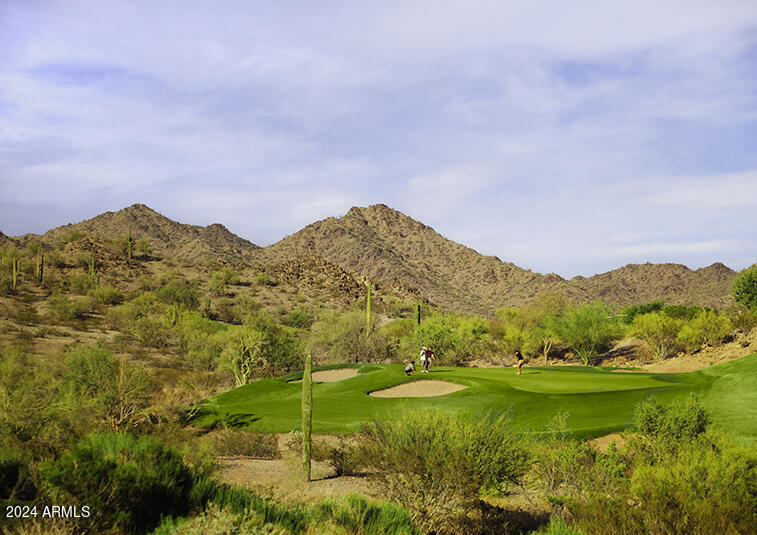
(664, 428)
(239, 442)
(217, 521)
(558, 526)
(15, 478)
(356, 515)
(127, 482)
(438, 467)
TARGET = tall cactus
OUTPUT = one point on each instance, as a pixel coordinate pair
(40, 265)
(417, 313)
(92, 266)
(15, 269)
(129, 246)
(307, 415)
(368, 322)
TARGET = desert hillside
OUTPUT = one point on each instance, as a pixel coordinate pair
(398, 254)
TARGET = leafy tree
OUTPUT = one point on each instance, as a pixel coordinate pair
(261, 349)
(588, 329)
(744, 288)
(658, 330)
(341, 337)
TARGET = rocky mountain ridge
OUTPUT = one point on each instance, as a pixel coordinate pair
(395, 250)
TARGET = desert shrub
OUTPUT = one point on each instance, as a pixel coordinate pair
(742, 318)
(221, 279)
(344, 459)
(176, 290)
(263, 278)
(454, 339)
(79, 283)
(239, 442)
(659, 331)
(438, 467)
(665, 427)
(744, 289)
(215, 520)
(261, 349)
(558, 526)
(106, 295)
(35, 417)
(588, 329)
(129, 483)
(706, 328)
(225, 310)
(682, 312)
(342, 337)
(65, 309)
(630, 312)
(703, 486)
(300, 317)
(357, 515)
(110, 390)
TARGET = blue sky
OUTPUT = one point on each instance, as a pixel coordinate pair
(567, 137)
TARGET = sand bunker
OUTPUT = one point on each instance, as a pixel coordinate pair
(330, 376)
(624, 370)
(419, 389)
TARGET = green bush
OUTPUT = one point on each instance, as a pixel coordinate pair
(665, 427)
(438, 466)
(179, 292)
(261, 349)
(107, 295)
(239, 442)
(300, 317)
(64, 308)
(558, 526)
(357, 515)
(106, 389)
(588, 329)
(80, 283)
(744, 288)
(706, 328)
(221, 279)
(218, 521)
(630, 312)
(659, 331)
(342, 337)
(129, 483)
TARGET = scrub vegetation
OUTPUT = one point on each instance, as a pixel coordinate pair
(127, 373)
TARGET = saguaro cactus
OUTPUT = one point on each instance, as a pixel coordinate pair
(92, 266)
(307, 415)
(417, 313)
(368, 322)
(40, 266)
(129, 246)
(15, 269)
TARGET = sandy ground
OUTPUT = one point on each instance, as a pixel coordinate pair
(419, 389)
(283, 478)
(603, 443)
(331, 376)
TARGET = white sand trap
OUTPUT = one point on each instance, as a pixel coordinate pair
(419, 389)
(331, 376)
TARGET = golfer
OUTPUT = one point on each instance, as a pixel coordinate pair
(424, 358)
(410, 368)
(519, 356)
(426, 364)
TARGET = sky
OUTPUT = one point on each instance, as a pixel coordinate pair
(567, 137)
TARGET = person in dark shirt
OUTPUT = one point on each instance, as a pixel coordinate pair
(519, 356)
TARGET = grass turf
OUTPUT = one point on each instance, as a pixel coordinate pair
(597, 400)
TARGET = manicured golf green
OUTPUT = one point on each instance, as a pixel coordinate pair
(597, 400)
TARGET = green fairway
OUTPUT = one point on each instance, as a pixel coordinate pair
(597, 400)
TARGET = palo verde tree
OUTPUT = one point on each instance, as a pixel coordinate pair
(588, 329)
